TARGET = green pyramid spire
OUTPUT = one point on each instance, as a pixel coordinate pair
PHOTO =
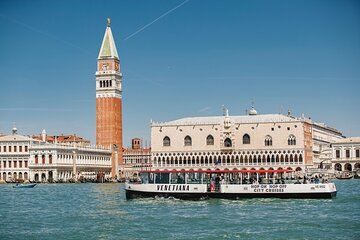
(108, 47)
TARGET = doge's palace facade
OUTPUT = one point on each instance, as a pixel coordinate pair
(268, 141)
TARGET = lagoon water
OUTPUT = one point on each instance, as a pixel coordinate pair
(100, 211)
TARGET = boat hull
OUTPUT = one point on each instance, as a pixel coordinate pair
(234, 196)
(201, 191)
(25, 186)
(344, 178)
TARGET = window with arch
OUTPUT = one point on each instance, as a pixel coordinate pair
(246, 139)
(210, 140)
(347, 153)
(268, 140)
(227, 142)
(166, 141)
(187, 141)
(292, 140)
(337, 153)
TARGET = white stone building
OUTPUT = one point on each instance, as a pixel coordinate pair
(269, 141)
(135, 159)
(14, 156)
(24, 158)
(323, 136)
(59, 162)
(346, 154)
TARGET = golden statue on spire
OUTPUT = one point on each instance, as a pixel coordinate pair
(108, 22)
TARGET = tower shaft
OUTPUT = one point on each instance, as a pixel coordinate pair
(109, 100)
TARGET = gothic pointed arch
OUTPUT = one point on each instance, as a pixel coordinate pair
(291, 140)
(187, 141)
(210, 140)
(227, 142)
(246, 139)
(166, 141)
(268, 140)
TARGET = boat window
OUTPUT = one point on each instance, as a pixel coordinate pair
(177, 178)
(161, 177)
(194, 178)
(151, 178)
(145, 177)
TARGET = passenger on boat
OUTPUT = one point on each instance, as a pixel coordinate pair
(212, 185)
(245, 181)
(316, 180)
(260, 180)
(179, 179)
(217, 183)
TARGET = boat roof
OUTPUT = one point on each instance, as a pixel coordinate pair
(218, 171)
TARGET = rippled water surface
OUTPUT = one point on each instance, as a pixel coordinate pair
(100, 211)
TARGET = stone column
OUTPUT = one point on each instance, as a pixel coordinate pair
(74, 165)
(116, 148)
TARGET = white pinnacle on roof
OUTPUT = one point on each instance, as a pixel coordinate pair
(108, 47)
(263, 118)
(252, 112)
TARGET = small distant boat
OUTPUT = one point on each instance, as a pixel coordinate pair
(24, 185)
(356, 176)
(344, 177)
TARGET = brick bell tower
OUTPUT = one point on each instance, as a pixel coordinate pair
(108, 100)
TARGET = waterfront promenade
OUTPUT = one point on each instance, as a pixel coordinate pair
(100, 211)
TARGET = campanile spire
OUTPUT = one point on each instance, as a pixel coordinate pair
(109, 99)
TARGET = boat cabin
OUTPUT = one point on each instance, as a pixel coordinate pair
(213, 178)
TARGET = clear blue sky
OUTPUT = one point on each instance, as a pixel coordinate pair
(298, 55)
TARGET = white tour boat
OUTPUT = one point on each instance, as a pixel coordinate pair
(226, 184)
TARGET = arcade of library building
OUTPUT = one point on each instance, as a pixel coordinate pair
(51, 158)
